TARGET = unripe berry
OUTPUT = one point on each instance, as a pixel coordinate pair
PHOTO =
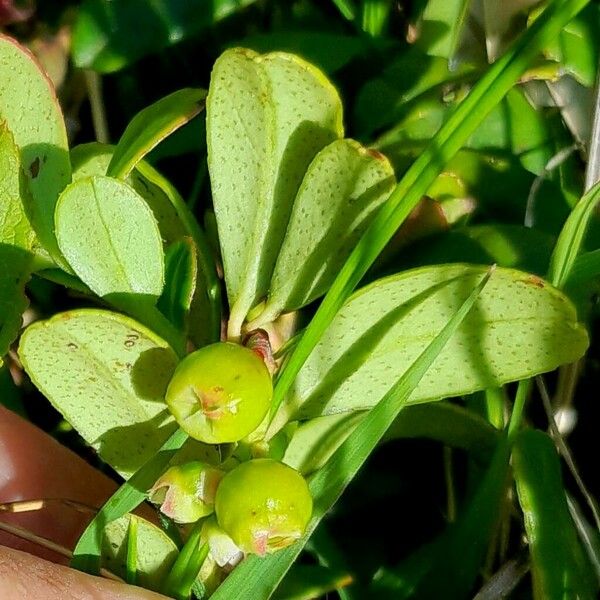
(220, 393)
(263, 505)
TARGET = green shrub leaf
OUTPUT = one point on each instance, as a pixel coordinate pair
(339, 195)
(151, 125)
(267, 117)
(107, 376)
(175, 222)
(15, 229)
(313, 443)
(30, 109)
(16, 240)
(110, 238)
(181, 269)
(456, 130)
(521, 326)
(156, 555)
(93, 159)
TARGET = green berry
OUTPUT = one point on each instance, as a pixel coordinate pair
(186, 492)
(263, 505)
(220, 393)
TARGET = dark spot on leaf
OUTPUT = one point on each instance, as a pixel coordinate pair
(34, 167)
(131, 340)
(534, 280)
(72, 346)
(375, 154)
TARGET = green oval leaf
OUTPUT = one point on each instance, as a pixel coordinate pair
(29, 106)
(15, 270)
(181, 271)
(93, 159)
(151, 125)
(267, 117)
(521, 326)
(339, 195)
(156, 555)
(15, 229)
(107, 375)
(313, 443)
(16, 240)
(110, 238)
(175, 222)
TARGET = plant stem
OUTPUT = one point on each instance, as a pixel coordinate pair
(517, 412)
(93, 83)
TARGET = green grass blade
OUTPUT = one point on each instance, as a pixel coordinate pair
(571, 238)
(447, 142)
(375, 14)
(257, 578)
(346, 8)
(132, 551)
(187, 566)
(86, 556)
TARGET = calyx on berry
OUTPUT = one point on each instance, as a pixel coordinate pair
(263, 505)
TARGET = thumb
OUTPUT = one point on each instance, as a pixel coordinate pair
(26, 577)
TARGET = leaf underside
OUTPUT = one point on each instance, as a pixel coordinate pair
(520, 326)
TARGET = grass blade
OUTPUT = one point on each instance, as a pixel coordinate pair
(257, 578)
(571, 238)
(187, 566)
(131, 557)
(447, 142)
(86, 556)
(346, 8)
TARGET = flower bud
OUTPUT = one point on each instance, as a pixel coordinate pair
(186, 492)
(222, 548)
